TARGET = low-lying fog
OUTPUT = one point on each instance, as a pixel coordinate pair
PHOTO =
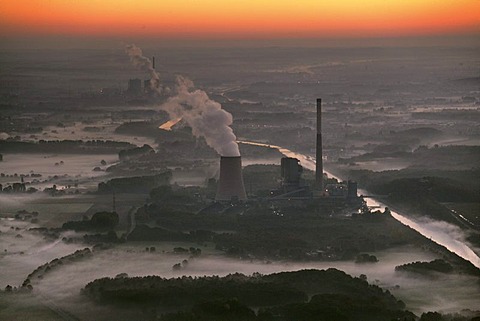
(22, 251)
(56, 164)
(54, 168)
(448, 235)
(443, 233)
(97, 130)
(386, 164)
(62, 285)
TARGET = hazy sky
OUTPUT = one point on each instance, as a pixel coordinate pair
(237, 19)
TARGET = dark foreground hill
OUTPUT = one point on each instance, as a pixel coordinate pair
(302, 295)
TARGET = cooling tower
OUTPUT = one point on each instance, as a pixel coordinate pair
(230, 183)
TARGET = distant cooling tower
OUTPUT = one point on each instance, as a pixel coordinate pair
(230, 184)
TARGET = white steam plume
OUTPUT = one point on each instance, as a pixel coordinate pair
(205, 116)
(144, 63)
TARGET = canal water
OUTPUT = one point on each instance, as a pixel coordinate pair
(442, 233)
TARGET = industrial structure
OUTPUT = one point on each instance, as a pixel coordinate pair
(319, 149)
(291, 173)
(137, 89)
(292, 184)
(293, 189)
(230, 184)
(134, 87)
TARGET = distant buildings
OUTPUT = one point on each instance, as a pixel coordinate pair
(138, 88)
(135, 87)
(291, 172)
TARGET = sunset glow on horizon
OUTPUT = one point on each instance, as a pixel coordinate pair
(236, 19)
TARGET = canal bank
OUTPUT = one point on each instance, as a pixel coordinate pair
(439, 232)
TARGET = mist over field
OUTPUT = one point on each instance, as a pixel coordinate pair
(63, 284)
(86, 164)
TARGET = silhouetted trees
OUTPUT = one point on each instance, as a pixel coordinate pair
(136, 184)
(437, 265)
(100, 221)
(284, 296)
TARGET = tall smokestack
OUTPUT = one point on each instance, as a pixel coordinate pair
(153, 62)
(230, 183)
(319, 158)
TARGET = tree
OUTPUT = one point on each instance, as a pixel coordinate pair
(103, 220)
(431, 316)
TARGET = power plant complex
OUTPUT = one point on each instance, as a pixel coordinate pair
(293, 187)
(138, 88)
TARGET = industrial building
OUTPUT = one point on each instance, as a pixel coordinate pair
(230, 183)
(135, 87)
(293, 189)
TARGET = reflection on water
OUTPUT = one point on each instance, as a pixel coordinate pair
(439, 232)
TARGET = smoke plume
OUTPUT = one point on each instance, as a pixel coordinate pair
(144, 63)
(205, 116)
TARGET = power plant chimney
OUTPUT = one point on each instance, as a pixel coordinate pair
(230, 183)
(153, 62)
(319, 156)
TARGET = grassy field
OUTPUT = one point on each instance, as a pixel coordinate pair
(25, 307)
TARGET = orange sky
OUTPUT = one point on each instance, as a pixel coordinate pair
(238, 18)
